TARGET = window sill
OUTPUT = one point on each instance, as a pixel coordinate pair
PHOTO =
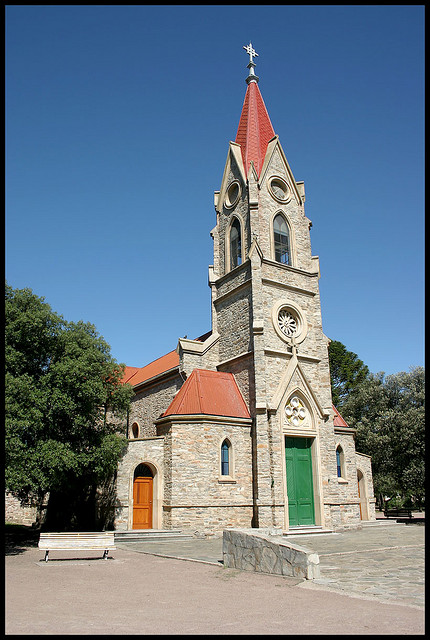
(227, 480)
(342, 481)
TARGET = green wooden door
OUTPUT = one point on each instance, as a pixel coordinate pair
(299, 481)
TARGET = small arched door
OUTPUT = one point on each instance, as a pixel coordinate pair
(142, 497)
(362, 495)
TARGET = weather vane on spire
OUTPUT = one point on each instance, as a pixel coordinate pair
(251, 64)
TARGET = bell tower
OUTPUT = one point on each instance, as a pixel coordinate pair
(266, 310)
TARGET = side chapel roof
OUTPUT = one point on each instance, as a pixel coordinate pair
(338, 421)
(209, 393)
(138, 375)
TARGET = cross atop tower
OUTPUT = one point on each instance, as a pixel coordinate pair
(251, 64)
(249, 49)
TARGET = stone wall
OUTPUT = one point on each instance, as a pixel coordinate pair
(243, 370)
(257, 550)
(17, 513)
(196, 495)
(149, 403)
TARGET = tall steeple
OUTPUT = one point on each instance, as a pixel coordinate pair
(255, 129)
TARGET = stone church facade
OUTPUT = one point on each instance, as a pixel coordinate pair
(237, 427)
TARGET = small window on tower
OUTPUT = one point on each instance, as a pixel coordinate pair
(235, 245)
(281, 240)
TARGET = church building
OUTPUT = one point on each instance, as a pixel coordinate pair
(236, 428)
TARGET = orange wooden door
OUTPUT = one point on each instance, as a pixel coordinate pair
(142, 503)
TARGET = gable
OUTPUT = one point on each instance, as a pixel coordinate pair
(275, 161)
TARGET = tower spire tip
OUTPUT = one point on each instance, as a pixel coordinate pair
(251, 64)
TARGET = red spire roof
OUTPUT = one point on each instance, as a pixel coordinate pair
(210, 393)
(255, 129)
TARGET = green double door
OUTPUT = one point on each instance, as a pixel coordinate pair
(299, 481)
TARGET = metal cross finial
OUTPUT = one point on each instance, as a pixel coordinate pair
(251, 64)
(248, 48)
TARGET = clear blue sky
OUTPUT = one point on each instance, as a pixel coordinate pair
(118, 120)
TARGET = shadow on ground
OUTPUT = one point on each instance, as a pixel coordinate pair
(19, 537)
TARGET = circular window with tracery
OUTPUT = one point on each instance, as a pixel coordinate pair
(289, 321)
(296, 412)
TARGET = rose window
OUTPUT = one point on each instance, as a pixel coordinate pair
(287, 323)
(295, 412)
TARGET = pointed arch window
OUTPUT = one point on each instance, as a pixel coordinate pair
(235, 245)
(281, 237)
(340, 463)
(225, 458)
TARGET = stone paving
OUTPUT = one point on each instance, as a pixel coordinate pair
(382, 561)
(386, 562)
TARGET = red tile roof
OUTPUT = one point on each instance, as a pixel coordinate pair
(255, 129)
(209, 393)
(129, 373)
(137, 375)
(338, 420)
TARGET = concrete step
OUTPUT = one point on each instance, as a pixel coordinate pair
(151, 535)
(380, 523)
(306, 530)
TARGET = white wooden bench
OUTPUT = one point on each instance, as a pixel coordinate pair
(74, 541)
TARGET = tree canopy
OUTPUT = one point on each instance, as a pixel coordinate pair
(388, 413)
(346, 372)
(63, 399)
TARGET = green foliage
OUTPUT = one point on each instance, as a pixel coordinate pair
(388, 414)
(63, 399)
(346, 372)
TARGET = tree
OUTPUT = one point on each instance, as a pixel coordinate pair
(388, 414)
(63, 399)
(346, 372)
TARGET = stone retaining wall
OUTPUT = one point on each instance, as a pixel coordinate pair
(268, 552)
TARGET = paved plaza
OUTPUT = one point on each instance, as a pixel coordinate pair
(384, 560)
(372, 582)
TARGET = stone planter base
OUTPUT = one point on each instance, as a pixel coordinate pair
(256, 550)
